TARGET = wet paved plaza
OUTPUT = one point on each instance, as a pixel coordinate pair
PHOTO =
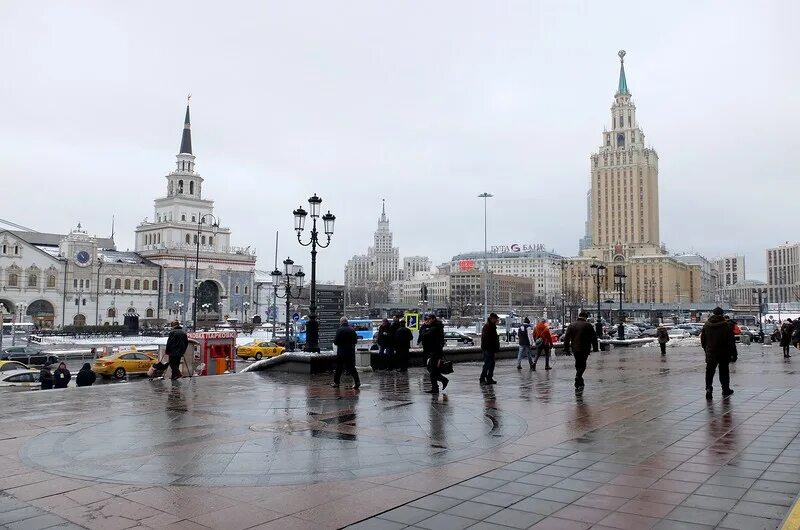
(639, 448)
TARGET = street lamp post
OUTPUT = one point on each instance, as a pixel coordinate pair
(214, 225)
(485, 196)
(314, 207)
(599, 273)
(2, 312)
(289, 280)
(619, 282)
(245, 306)
(179, 310)
(761, 292)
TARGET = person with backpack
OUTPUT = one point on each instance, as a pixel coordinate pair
(543, 342)
(524, 340)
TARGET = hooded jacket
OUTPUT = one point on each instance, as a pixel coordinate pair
(61, 376)
(717, 339)
(85, 377)
(542, 331)
(46, 378)
(432, 338)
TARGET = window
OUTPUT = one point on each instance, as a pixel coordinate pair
(194, 219)
(5, 249)
(191, 187)
(136, 285)
(107, 283)
(127, 285)
(203, 240)
(180, 288)
(183, 217)
(246, 288)
(75, 283)
(146, 285)
(111, 313)
(188, 240)
(194, 240)
(117, 284)
(169, 288)
(236, 289)
(51, 281)
(210, 240)
(155, 285)
(149, 312)
(16, 250)
(33, 280)
(84, 301)
(180, 186)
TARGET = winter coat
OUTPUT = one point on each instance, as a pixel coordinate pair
(796, 331)
(542, 331)
(490, 340)
(61, 378)
(46, 378)
(85, 377)
(786, 333)
(345, 340)
(580, 337)
(523, 335)
(384, 335)
(402, 339)
(717, 339)
(662, 335)
(432, 338)
(177, 343)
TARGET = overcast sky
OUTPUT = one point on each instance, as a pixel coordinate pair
(426, 104)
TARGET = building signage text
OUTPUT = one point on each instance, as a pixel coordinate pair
(516, 247)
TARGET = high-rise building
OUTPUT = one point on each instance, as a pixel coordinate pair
(783, 273)
(414, 264)
(586, 241)
(186, 238)
(730, 270)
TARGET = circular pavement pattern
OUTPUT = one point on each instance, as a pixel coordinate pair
(294, 440)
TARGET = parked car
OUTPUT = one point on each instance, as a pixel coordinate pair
(459, 338)
(122, 363)
(20, 378)
(259, 349)
(28, 355)
(7, 366)
(693, 329)
(678, 333)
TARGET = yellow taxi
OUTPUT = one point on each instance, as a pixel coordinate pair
(122, 363)
(259, 349)
(7, 366)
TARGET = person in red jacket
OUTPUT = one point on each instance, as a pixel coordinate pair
(543, 342)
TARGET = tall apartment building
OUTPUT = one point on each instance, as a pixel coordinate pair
(414, 264)
(783, 273)
(730, 270)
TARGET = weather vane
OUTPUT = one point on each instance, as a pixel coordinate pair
(621, 54)
(189, 97)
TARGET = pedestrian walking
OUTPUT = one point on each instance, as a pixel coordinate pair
(581, 339)
(46, 377)
(543, 342)
(432, 339)
(402, 344)
(345, 341)
(177, 342)
(384, 344)
(796, 333)
(787, 330)
(61, 376)
(718, 341)
(663, 338)
(490, 345)
(524, 341)
(86, 376)
(391, 348)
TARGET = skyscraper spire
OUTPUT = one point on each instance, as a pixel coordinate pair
(623, 83)
(186, 139)
(383, 211)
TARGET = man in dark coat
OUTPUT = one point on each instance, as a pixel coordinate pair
(177, 343)
(663, 338)
(391, 348)
(46, 377)
(402, 345)
(86, 376)
(787, 329)
(580, 338)
(61, 376)
(490, 345)
(718, 342)
(345, 341)
(385, 344)
(431, 335)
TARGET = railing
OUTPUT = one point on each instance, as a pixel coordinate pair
(239, 251)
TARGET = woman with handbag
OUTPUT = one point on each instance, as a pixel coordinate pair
(543, 342)
(432, 338)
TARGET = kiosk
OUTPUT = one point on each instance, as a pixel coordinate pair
(215, 350)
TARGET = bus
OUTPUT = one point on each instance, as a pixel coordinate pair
(365, 329)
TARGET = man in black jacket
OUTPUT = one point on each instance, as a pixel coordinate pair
(176, 347)
(345, 341)
(402, 345)
(719, 342)
(431, 335)
(490, 345)
(580, 338)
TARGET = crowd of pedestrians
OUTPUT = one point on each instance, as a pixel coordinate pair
(61, 376)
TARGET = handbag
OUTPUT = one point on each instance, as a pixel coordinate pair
(445, 366)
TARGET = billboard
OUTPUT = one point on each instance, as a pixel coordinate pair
(466, 265)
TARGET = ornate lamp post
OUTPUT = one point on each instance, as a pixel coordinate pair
(599, 274)
(289, 281)
(314, 206)
(214, 225)
(2, 312)
(619, 282)
(760, 292)
(245, 307)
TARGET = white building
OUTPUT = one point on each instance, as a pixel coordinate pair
(730, 270)
(414, 264)
(708, 275)
(783, 273)
(425, 290)
(184, 220)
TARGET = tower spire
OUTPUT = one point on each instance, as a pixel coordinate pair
(623, 83)
(186, 139)
(383, 210)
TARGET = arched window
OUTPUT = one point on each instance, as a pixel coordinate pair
(136, 285)
(194, 240)
(33, 280)
(210, 240)
(149, 312)
(117, 284)
(169, 288)
(191, 187)
(111, 312)
(5, 249)
(183, 217)
(16, 250)
(107, 283)
(246, 288)
(180, 288)
(188, 240)
(51, 281)
(127, 285)
(75, 283)
(236, 289)
(155, 285)
(180, 186)
(203, 240)
(146, 285)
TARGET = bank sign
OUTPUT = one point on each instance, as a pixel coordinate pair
(516, 247)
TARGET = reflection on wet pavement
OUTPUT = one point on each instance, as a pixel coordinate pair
(639, 447)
